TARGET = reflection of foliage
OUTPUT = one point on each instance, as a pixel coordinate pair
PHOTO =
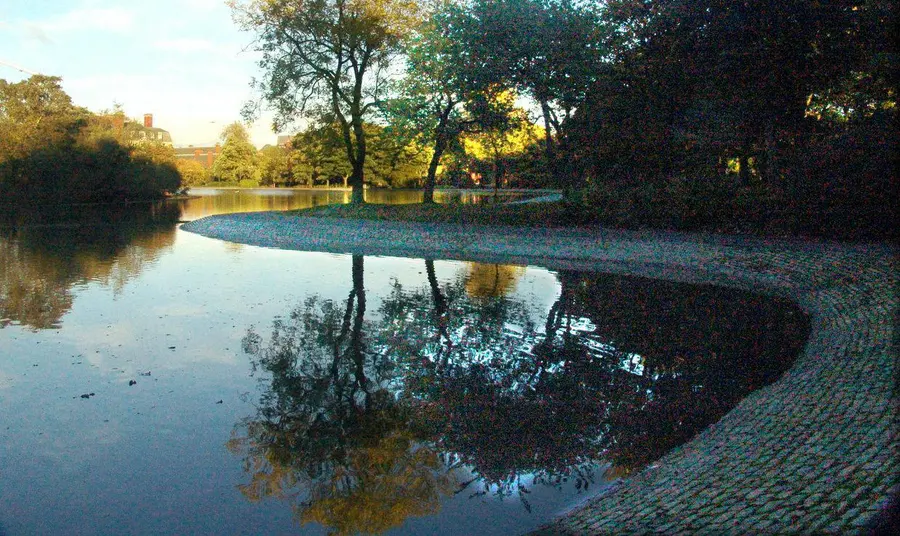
(32, 290)
(504, 433)
(327, 424)
(391, 481)
(704, 348)
(42, 260)
(350, 424)
(492, 280)
(485, 396)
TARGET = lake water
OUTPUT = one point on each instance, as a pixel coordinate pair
(153, 381)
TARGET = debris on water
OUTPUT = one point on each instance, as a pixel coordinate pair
(219, 402)
(171, 347)
(131, 382)
(145, 373)
(87, 395)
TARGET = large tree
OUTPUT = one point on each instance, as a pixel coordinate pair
(548, 50)
(432, 92)
(36, 113)
(695, 82)
(327, 58)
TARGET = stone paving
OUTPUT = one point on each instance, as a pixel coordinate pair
(817, 451)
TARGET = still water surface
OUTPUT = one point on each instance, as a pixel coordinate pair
(155, 381)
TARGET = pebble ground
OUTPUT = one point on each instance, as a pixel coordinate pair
(815, 452)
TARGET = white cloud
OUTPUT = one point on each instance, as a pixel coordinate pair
(103, 19)
(37, 34)
(185, 45)
(205, 4)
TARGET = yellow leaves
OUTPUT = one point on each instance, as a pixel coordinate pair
(492, 280)
(368, 488)
(398, 17)
(490, 145)
(616, 471)
(380, 488)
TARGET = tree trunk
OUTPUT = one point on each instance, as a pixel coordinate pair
(428, 191)
(357, 196)
(548, 137)
(499, 171)
(744, 163)
(356, 186)
(440, 144)
(743, 170)
(767, 157)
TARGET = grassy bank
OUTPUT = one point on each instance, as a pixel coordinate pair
(667, 215)
(528, 214)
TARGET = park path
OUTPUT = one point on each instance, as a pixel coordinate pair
(815, 451)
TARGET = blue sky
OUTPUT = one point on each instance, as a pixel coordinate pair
(181, 60)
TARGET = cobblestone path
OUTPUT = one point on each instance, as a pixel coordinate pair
(816, 451)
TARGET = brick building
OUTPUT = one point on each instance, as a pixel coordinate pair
(204, 155)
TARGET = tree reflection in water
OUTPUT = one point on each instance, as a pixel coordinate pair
(43, 255)
(329, 434)
(365, 421)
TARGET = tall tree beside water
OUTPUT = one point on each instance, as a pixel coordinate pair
(327, 59)
(238, 161)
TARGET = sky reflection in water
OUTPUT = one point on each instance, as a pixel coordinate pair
(384, 392)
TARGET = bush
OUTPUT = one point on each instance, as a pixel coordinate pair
(248, 183)
(675, 203)
(192, 172)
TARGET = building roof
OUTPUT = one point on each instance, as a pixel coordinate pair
(138, 132)
(191, 150)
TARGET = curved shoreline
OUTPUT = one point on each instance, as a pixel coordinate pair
(815, 451)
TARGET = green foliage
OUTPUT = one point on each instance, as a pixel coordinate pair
(327, 58)
(394, 160)
(192, 173)
(788, 101)
(238, 161)
(772, 116)
(34, 114)
(271, 162)
(54, 152)
(549, 50)
(319, 156)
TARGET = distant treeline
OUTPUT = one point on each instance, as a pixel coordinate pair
(395, 158)
(52, 151)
